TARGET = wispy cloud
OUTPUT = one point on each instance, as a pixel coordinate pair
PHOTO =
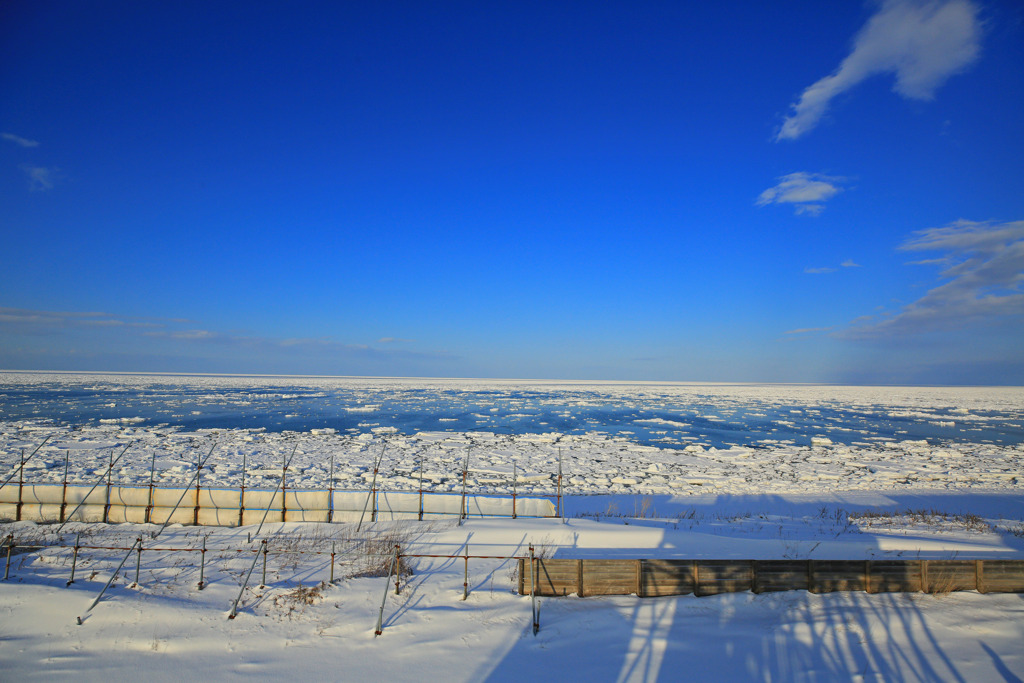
(393, 340)
(805, 191)
(40, 177)
(921, 42)
(808, 330)
(983, 274)
(18, 140)
(848, 263)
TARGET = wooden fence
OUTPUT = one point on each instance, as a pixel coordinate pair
(651, 578)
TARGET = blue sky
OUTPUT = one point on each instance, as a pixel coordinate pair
(735, 191)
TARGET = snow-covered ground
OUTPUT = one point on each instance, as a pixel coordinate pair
(166, 629)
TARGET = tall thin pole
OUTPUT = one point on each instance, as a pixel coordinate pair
(110, 473)
(21, 486)
(515, 472)
(560, 482)
(284, 484)
(421, 486)
(330, 498)
(199, 472)
(465, 473)
(64, 491)
(152, 477)
(241, 494)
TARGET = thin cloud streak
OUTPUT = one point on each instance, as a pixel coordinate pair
(984, 273)
(18, 140)
(921, 42)
(805, 191)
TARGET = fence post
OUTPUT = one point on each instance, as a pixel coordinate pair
(202, 564)
(533, 591)
(515, 472)
(263, 580)
(241, 494)
(421, 487)
(398, 569)
(21, 487)
(110, 474)
(199, 476)
(64, 490)
(138, 561)
(560, 512)
(74, 559)
(465, 575)
(148, 515)
(284, 488)
(332, 562)
(465, 473)
(10, 548)
(330, 507)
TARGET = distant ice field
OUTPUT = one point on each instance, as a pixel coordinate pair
(653, 414)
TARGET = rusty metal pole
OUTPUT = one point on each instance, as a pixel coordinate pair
(533, 591)
(330, 501)
(199, 476)
(263, 580)
(398, 569)
(64, 490)
(10, 547)
(21, 486)
(515, 472)
(110, 475)
(332, 562)
(241, 494)
(284, 485)
(202, 564)
(148, 516)
(465, 474)
(421, 487)
(560, 511)
(465, 575)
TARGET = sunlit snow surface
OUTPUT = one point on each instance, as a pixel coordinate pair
(612, 437)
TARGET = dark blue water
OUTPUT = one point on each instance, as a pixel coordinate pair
(657, 416)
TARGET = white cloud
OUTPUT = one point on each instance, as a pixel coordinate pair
(849, 263)
(921, 42)
(983, 273)
(805, 191)
(819, 271)
(40, 177)
(808, 330)
(18, 140)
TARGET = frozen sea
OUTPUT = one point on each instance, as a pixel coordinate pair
(656, 414)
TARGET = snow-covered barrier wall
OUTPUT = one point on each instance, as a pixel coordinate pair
(234, 507)
(657, 577)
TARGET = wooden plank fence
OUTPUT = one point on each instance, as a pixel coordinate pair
(658, 577)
